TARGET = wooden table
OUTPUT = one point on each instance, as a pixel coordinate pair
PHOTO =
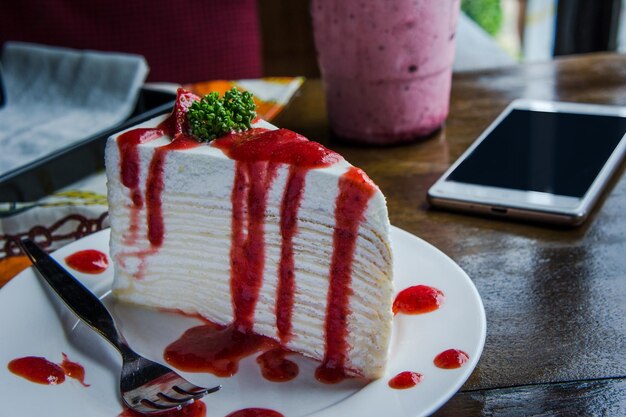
(555, 299)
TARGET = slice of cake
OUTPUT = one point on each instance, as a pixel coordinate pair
(261, 229)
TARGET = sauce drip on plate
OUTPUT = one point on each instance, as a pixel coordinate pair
(73, 370)
(42, 371)
(404, 380)
(37, 369)
(418, 299)
(451, 359)
(89, 261)
(214, 349)
(276, 367)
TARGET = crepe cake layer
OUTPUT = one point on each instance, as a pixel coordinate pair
(294, 250)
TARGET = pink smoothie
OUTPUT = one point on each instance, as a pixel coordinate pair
(386, 66)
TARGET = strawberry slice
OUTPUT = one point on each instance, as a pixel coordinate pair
(177, 122)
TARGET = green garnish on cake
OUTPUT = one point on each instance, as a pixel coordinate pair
(212, 116)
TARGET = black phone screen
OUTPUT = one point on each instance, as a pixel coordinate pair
(558, 153)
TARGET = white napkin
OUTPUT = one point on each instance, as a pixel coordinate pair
(55, 97)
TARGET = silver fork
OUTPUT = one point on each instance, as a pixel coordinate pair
(146, 386)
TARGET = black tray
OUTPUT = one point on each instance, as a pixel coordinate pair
(66, 166)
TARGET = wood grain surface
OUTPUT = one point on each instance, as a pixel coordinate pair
(555, 298)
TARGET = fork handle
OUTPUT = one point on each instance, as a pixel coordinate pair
(76, 296)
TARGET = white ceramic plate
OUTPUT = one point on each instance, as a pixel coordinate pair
(35, 323)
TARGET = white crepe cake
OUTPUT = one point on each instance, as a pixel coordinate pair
(262, 229)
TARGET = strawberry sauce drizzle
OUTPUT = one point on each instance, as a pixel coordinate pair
(155, 185)
(130, 173)
(238, 260)
(252, 184)
(288, 228)
(355, 190)
(176, 125)
(250, 149)
(280, 145)
(127, 144)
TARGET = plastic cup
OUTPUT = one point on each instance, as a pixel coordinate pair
(386, 66)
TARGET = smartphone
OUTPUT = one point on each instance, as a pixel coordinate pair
(541, 161)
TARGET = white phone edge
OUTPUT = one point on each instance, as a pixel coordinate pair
(528, 205)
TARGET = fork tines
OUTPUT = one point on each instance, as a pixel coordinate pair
(188, 395)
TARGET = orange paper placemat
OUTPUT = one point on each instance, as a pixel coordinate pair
(270, 94)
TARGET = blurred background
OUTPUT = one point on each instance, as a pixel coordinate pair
(491, 32)
(199, 40)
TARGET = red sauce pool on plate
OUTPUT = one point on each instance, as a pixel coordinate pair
(451, 359)
(37, 369)
(195, 409)
(418, 299)
(89, 261)
(404, 380)
(255, 412)
(215, 349)
(275, 367)
(330, 375)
